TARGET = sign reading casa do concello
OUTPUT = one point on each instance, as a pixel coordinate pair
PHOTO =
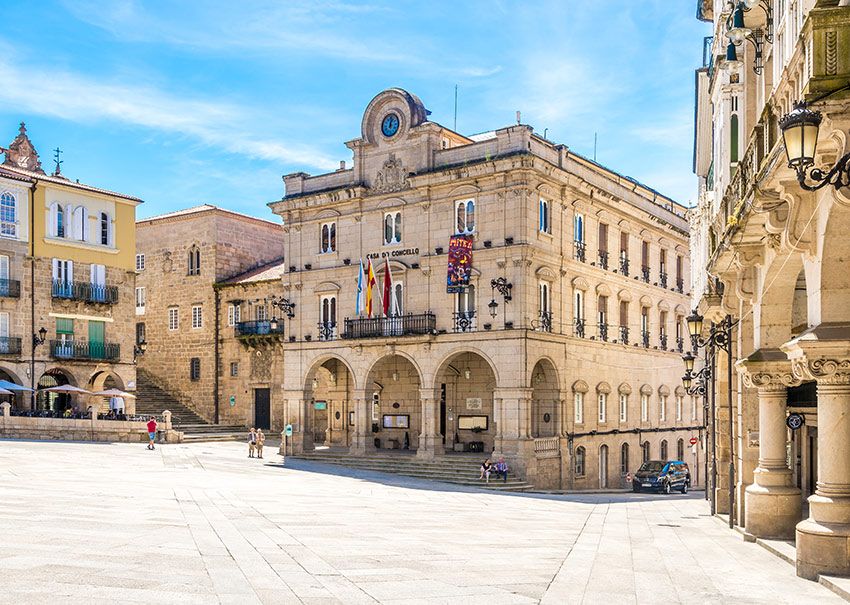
(460, 263)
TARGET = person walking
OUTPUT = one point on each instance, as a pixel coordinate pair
(502, 469)
(261, 440)
(252, 442)
(151, 432)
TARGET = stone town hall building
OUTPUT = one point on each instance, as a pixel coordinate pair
(574, 376)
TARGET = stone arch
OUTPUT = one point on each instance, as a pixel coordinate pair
(772, 311)
(391, 202)
(320, 361)
(547, 273)
(603, 387)
(603, 290)
(56, 402)
(464, 392)
(397, 379)
(325, 287)
(329, 398)
(546, 413)
(580, 283)
(466, 349)
(464, 191)
(327, 213)
(7, 374)
(105, 379)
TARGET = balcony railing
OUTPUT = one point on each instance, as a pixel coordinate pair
(578, 327)
(680, 285)
(10, 345)
(327, 330)
(644, 273)
(580, 250)
(624, 265)
(603, 259)
(624, 335)
(680, 344)
(644, 338)
(662, 279)
(401, 325)
(261, 327)
(543, 322)
(10, 288)
(603, 331)
(92, 293)
(77, 349)
(463, 321)
(663, 341)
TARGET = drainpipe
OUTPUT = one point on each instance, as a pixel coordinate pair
(32, 293)
(217, 296)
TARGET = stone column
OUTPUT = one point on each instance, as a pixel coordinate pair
(430, 440)
(362, 426)
(823, 540)
(773, 505)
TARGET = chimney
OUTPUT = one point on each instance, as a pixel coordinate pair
(342, 164)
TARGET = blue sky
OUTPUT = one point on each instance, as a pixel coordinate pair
(182, 103)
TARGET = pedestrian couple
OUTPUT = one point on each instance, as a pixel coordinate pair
(500, 468)
(256, 441)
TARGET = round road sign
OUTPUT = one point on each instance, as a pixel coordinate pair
(794, 421)
(694, 441)
(288, 430)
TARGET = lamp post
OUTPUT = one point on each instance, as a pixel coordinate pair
(719, 337)
(504, 287)
(701, 389)
(37, 340)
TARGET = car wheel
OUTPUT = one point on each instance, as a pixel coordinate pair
(666, 488)
(636, 489)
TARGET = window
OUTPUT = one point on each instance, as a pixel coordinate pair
(63, 278)
(678, 269)
(664, 449)
(579, 461)
(376, 406)
(602, 308)
(578, 228)
(680, 449)
(195, 368)
(662, 408)
(733, 135)
(578, 405)
(261, 313)
(545, 222)
(662, 262)
(644, 254)
(60, 221)
(105, 229)
(602, 401)
(644, 407)
(194, 261)
(234, 368)
(624, 407)
(80, 219)
(8, 215)
(140, 262)
(578, 310)
(140, 299)
(327, 312)
(173, 318)
(465, 216)
(197, 316)
(624, 246)
(65, 330)
(327, 240)
(645, 452)
(624, 459)
(545, 306)
(234, 314)
(140, 333)
(624, 313)
(4, 332)
(679, 407)
(397, 301)
(4, 275)
(662, 328)
(392, 228)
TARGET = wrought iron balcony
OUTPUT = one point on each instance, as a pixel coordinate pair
(644, 273)
(603, 331)
(578, 327)
(10, 288)
(680, 344)
(327, 330)
(262, 327)
(464, 321)
(624, 334)
(624, 265)
(78, 349)
(580, 249)
(86, 292)
(543, 322)
(680, 285)
(400, 325)
(662, 279)
(644, 337)
(603, 259)
(10, 345)
(663, 341)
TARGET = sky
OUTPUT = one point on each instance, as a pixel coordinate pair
(186, 103)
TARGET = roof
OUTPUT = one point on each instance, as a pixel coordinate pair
(269, 272)
(61, 180)
(11, 175)
(202, 209)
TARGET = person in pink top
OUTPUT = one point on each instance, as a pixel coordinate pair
(151, 432)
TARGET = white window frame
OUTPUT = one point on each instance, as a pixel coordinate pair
(578, 307)
(9, 203)
(332, 233)
(104, 227)
(328, 310)
(173, 319)
(602, 403)
(578, 407)
(140, 300)
(644, 407)
(624, 407)
(662, 408)
(544, 300)
(140, 262)
(231, 315)
(197, 317)
(679, 407)
(462, 216)
(396, 229)
(578, 228)
(544, 218)
(234, 369)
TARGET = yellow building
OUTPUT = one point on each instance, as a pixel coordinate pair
(67, 279)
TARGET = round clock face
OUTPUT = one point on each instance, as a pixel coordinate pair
(390, 125)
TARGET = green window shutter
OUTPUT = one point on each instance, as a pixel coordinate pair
(64, 326)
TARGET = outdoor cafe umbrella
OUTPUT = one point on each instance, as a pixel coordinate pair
(11, 386)
(114, 393)
(67, 388)
(5, 391)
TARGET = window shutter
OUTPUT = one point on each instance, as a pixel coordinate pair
(51, 228)
(69, 277)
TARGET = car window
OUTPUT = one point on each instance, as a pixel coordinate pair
(652, 466)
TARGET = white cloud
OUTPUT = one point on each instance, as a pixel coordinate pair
(74, 97)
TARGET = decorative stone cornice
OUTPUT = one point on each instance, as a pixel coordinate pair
(825, 371)
(821, 353)
(767, 370)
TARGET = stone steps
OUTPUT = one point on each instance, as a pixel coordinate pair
(460, 471)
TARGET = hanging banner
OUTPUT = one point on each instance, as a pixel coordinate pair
(460, 263)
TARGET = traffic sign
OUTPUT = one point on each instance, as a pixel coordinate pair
(288, 430)
(795, 421)
(232, 400)
(694, 440)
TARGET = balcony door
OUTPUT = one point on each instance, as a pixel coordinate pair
(4, 333)
(63, 278)
(327, 328)
(98, 283)
(4, 275)
(394, 322)
(97, 339)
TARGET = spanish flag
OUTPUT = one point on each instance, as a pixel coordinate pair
(371, 282)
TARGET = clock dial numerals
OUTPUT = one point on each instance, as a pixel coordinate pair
(389, 127)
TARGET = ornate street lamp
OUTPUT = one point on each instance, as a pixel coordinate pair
(504, 287)
(737, 31)
(139, 348)
(284, 304)
(38, 339)
(800, 135)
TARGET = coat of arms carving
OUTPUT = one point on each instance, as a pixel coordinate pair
(392, 177)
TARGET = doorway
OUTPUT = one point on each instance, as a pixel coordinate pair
(262, 409)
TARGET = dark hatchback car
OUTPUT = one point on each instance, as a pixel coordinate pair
(662, 476)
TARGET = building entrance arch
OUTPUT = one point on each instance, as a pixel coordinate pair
(393, 387)
(464, 385)
(545, 400)
(330, 413)
(55, 402)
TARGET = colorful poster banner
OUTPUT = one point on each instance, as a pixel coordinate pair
(460, 263)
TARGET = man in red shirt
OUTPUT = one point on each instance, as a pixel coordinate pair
(151, 432)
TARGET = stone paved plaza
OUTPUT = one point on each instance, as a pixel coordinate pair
(202, 523)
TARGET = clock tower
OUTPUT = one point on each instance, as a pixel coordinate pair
(22, 154)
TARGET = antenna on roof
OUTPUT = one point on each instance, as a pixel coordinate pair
(518, 117)
(594, 146)
(455, 126)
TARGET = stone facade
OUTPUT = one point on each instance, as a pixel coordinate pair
(69, 250)
(223, 244)
(770, 253)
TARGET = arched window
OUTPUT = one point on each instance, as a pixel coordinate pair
(645, 453)
(392, 228)
(624, 459)
(60, 221)
(194, 261)
(680, 449)
(733, 146)
(465, 216)
(328, 238)
(664, 449)
(580, 461)
(8, 215)
(104, 229)
(578, 405)
(602, 401)
(578, 228)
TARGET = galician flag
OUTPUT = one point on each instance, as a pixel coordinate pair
(388, 288)
(358, 305)
(370, 283)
